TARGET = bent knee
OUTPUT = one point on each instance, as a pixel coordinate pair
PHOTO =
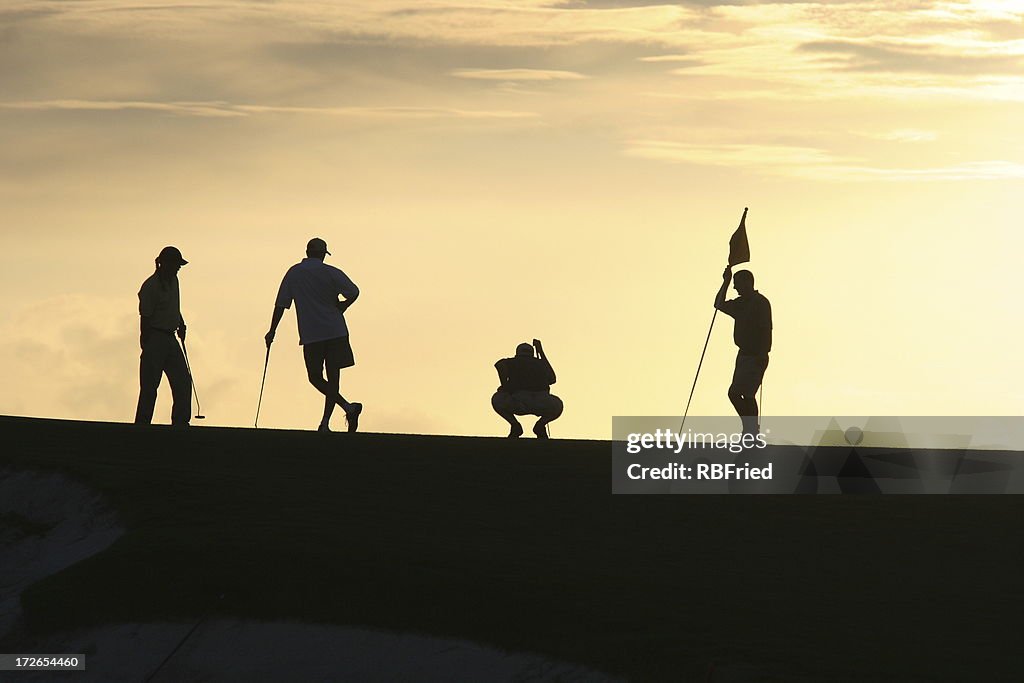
(501, 401)
(555, 409)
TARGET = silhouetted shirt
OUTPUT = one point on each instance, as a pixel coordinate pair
(314, 286)
(160, 301)
(525, 373)
(753, 316)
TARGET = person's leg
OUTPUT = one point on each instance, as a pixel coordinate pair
(315, 357)
(550, 409)
(737, 399)
(502, 403)
(151, 364)
(757, 370)
(745, 381)
(339, 357)
(333, 382)
(181, 384)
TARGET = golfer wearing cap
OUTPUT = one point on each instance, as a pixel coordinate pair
(160, 318)
(314, 286)
(525, 389)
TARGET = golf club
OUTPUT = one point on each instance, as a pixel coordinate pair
(199, 410)
(256, 422)
(536, 354)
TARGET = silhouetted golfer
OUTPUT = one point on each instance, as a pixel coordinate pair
(314, 286)
(753, 335)
(160, 318)
(526, 390)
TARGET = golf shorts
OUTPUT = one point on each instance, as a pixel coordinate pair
(749, 373)
(333, 353)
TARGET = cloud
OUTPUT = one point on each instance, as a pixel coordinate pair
(755, 157)
(975, 170)
(518, 74)
(17, 16)
(876, 56)
(223, 109)
(624, 4)
(267, 51)
(212, 109)
(390, 112)
(1006, 29)
(813, 163)
(70, 355)
(904, 135)
(667, 58)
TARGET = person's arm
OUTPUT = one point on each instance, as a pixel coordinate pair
(343, 305)
(147, 307)
(501, 374)
(347, 289)
(726, 280)
(275, 320)
(540, 354)
(766, 323)
(283, 301)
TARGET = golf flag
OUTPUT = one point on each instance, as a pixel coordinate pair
(739, 249)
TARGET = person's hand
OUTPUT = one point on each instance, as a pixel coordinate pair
(343, 305)
(142, 342)
(538, 347)
(727, 273)
(181, 332)
(269, 338)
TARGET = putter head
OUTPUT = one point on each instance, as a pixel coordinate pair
(200, 417)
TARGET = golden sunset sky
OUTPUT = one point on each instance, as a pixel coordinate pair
(491, 171)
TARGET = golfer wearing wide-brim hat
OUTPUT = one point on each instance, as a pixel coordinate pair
(160, 318)
(315, 286)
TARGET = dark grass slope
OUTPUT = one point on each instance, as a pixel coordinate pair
(521, 545)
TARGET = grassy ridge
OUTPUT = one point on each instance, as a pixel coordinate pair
(521, 545)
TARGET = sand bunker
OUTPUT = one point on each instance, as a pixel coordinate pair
(224, 650)
(47, 523)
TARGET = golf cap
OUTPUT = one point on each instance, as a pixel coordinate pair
(171, 255)
(524, 349)
(317, 245)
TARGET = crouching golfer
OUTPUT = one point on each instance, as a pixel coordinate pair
(160, 317)
(526, 390)
(314, 286)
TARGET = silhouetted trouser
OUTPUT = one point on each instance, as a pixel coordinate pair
(546, 406)
(163, 355)
(746, 379)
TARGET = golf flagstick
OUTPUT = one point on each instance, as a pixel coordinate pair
(739, 252)
(547, 425)
(760, 406)
(256, 423)
(699, 364)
